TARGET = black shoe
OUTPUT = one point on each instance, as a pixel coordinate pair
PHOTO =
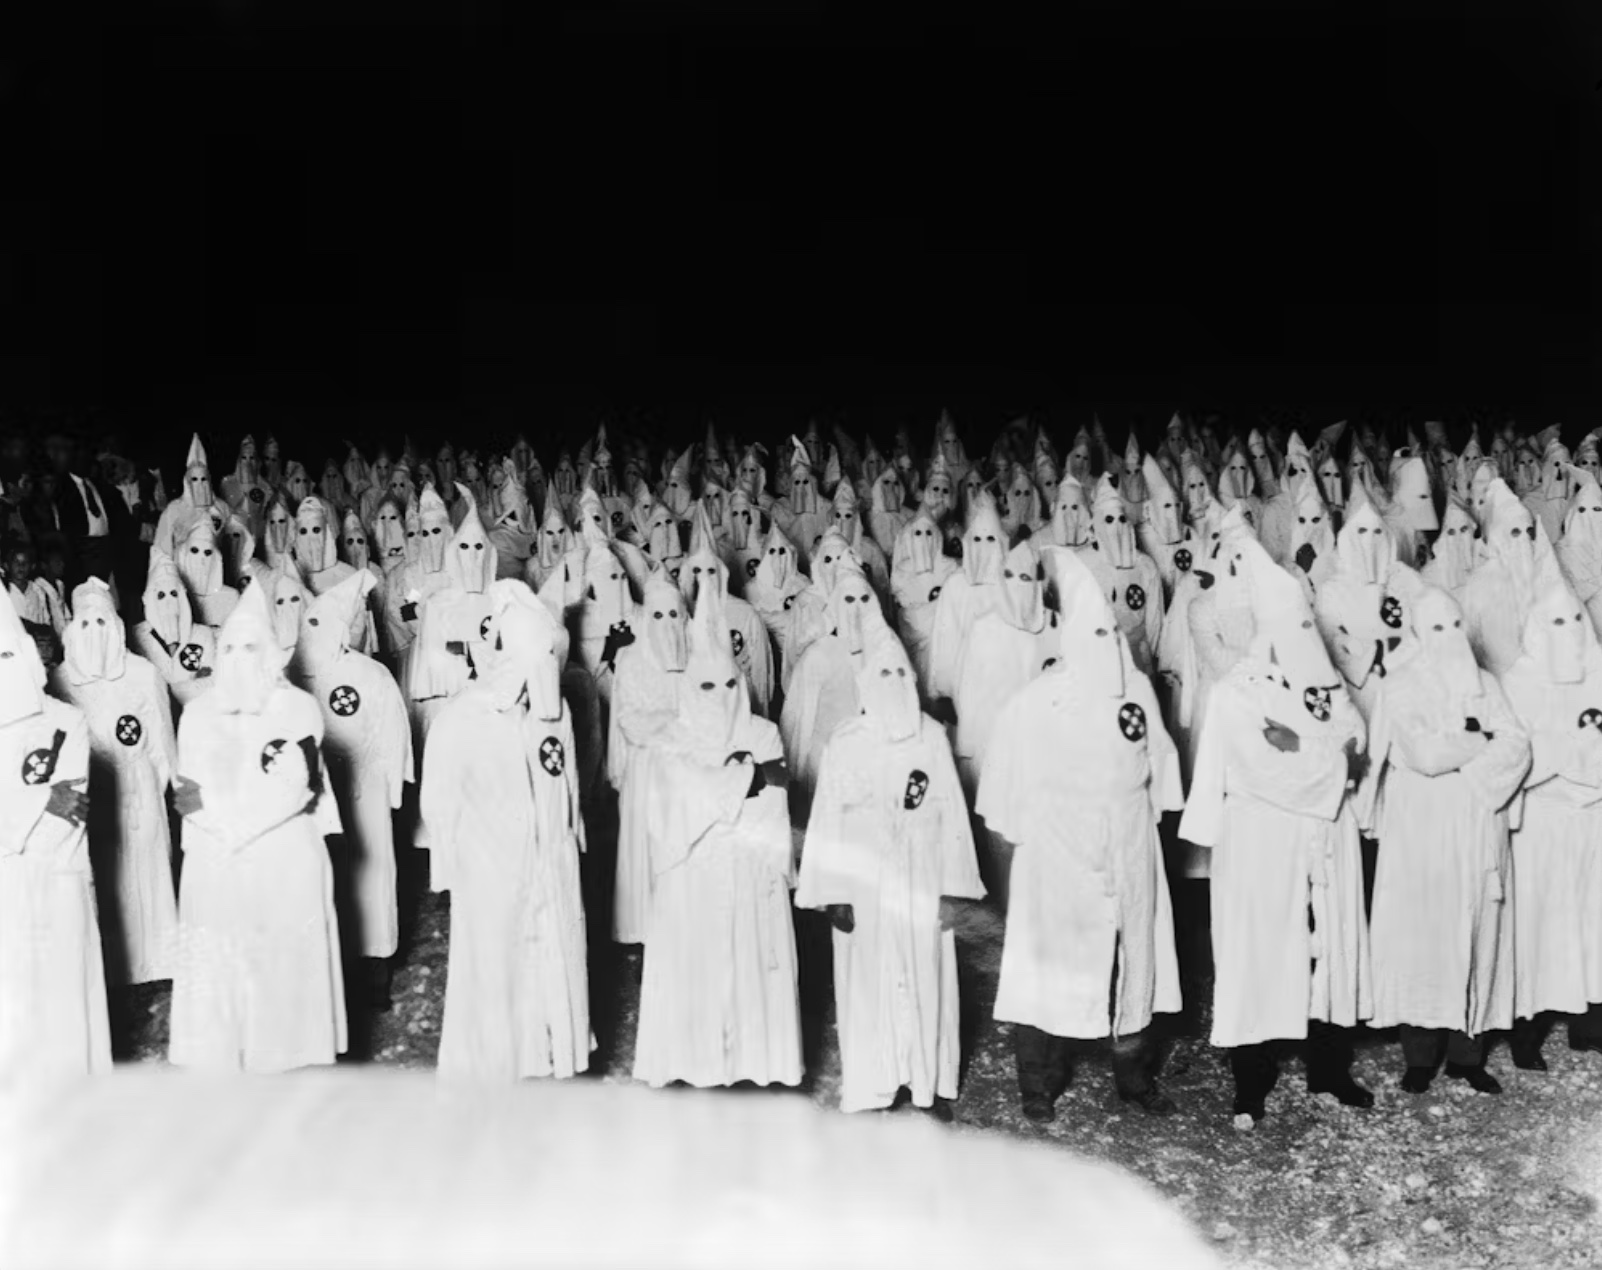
(1346, 1090)
(1253, 1107)
(1150, 1100)
(939, 1110)
(1528, 1058)
(1479, 1080)
(1593, 1044)
(1418, 1080)
(1037, 1107)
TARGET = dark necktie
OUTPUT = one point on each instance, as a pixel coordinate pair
(89, 496)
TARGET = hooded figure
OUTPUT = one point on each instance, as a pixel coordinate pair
(52, 978)
(298, 485)
(1497, 597)
(259, 984)
(1077, 773)
(845, 518)
(272, 470)
(1364, 606)
(705, 580)
(1313, 555)
(718, 1003)
(182, 650)
(368, 749)
(606, 617)
(888, 512)
(1237, 483)
(510, 522)
(1550, 500)
(741, 541)
(1129, 576)
(191, 506)
(939, 496)
(453, 621)
(1456, 549)
(823, 691)
(644, 697)
(1555, 688)
(377, 486)
(500, 795)
(331, 486)
(1007, 647)
(553, 544)
(1271, 796)
(791, 609)
(200, 563)
(1411, 515)
(278, 532)
(317, 548)
(677, 494)
(889, 845)
(801, 513)
(1021, 512)
(918, 571)
(1446, 755)
(828, 555)
(968, 593)
(1579, 552)
(1163, 535)
(1526, 471)
(132, 750)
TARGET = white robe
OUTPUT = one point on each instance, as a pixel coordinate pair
(822, 695)
(53, 1020)
(259, 984)
(500, 795)
(185, 667)
(1077, 787)
(367, 745)
(889, 835)
(1289, 940)
(1557, 847)
(1442, 935)
(132, 752)
(644, 700)
(916, 595)
(718, 1002)
(999, 660)
(1136, 596)
(960, 605)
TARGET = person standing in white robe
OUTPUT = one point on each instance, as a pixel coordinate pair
(183, 651)
(1069, 525)
(1078, 772)
(1411, 516)
(741, 542)
(367, 746)
(789, 606)
(552, 545)
(918, 571)
(888, 513)
(201, 565)
(1449, 755)
(845, 519)
(454, 608)
(967, 594)
(132, 749)
(718, 1002)
(52, 980)
(1550, 500)
(1455, 551)
(1007, 647)
(801, 513)
(644, 698)
(888, 849)
(1129, 576)
(1497, 597)
(705, 578)
(258, 985)
(1270, 794)
(500, 796)
(1313, 554)
(193, 504)
(1163, 535)
(603, 621)
(1579, 552)
(1556, 691)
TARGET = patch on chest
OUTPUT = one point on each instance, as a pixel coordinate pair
(1135, 597)
(1317, 701)
(1391, 612)
(190, 656)
(751, 567)
(1132, 721)
(737, 642)
(553, 756)
(1591, 718)
(1182, 560)
(38, 766)
(256, 496)
(344, 701)
(129, 730)
(271, 754)
(917, 790)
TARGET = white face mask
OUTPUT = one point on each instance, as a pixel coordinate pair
(1566, 646)
(1023, 581)
(1115, 537)
(432, 542)
(937, 496)
(923, 545)
(356, 552)
(1070, 521)
(198, 485)
(471, 559)
(1238, 476)
(982, 553)
(698, 573)
(665, 630)
(279, 533)
(888, 692)
(391, 534)
(200, 564)
(310, 545)
(299, 487)
(778, 563)
(1329, 483)
(287, 608)
(803, 495)
(742, 527)
(1197, 496)
(849, 606)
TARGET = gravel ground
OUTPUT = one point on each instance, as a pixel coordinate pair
(1449, 1179)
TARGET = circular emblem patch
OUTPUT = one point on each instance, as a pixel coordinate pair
(1391, 612)
(1591, 718)
(736, 641)
(1135, 597)
(190, 656)
(38, 767)
(739, 756)
(1131, 721)
(129, 730)
(1182, 560)
(255, 495)
(271, 753)
(553, 758)
(917, 788)
(344, 701)
(751, 566)
(1317, 702)
(484, 628)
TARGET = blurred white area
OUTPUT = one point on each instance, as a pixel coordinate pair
(346, 1168)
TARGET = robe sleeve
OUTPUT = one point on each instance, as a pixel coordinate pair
(828, 859)
(1573, 753)
(1203, 820)
(238, 819)
(1213, 657)
(959, 864)
(1427, 749)
(438, 797)
(164, 753)
(401, 765)
(945, 641)
(1496, 773)
(570, 775)
(759, 654)
(51, 837)
(1005, 761)
(688, 799)
(1167, 785)
(1152, 617)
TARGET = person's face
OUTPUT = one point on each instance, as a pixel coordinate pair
(19, 567)
(58, 451)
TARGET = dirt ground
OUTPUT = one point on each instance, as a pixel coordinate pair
(1448, 1179)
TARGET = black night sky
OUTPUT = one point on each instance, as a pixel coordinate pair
(463, 212)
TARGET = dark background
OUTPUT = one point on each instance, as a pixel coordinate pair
(428, 215)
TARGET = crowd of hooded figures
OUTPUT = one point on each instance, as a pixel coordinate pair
(826, 679)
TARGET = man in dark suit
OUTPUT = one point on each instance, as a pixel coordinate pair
(81, 514)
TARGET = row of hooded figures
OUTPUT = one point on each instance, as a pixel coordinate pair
(1035, 673)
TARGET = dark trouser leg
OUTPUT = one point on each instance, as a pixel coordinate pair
(1043, 1070)
(1132, 1058)
(1329, 1064)
(1525, 1043)
(1463, 1050)
(1256, 1071)
(1585, 1030)
(1422, 1046)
